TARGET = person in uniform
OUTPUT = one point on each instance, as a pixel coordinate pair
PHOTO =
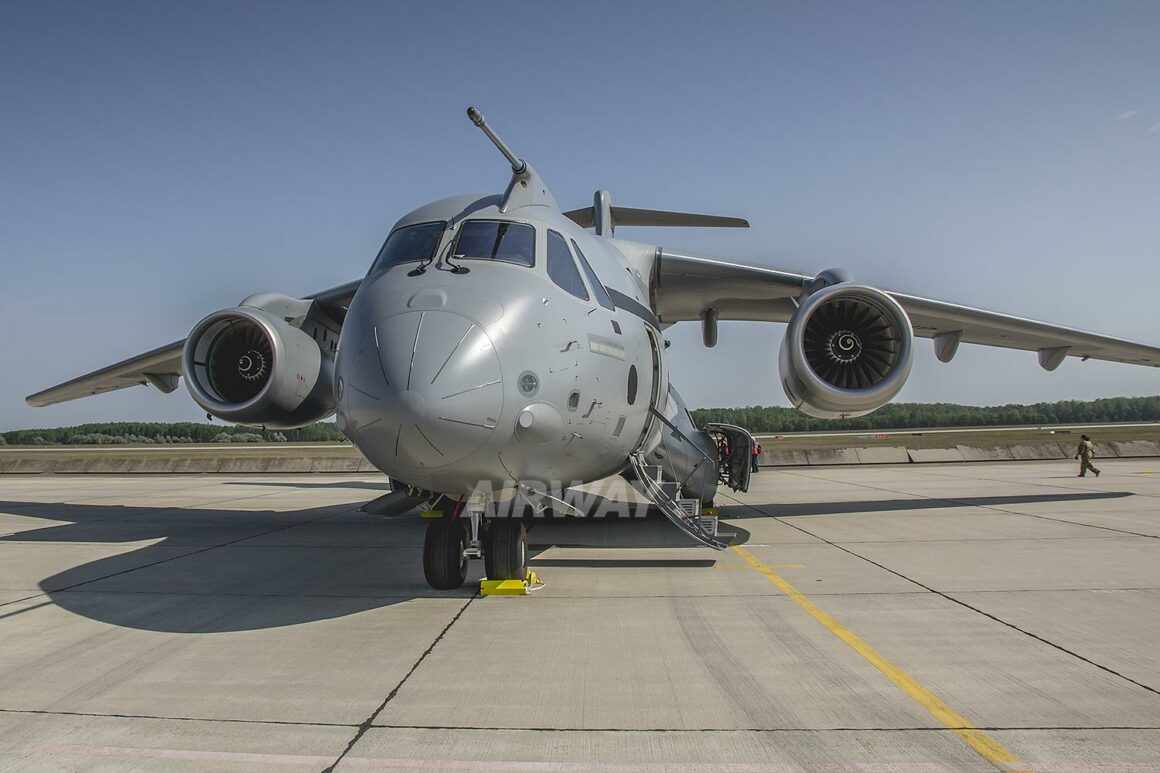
(756, 454)
(1084, 453)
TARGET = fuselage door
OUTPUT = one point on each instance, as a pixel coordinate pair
(654, 399)
(658, 394)
(735, 449)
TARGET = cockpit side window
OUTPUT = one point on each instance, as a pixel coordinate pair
(597, 286)
(562, 268)
(409, 243)
(496, 240)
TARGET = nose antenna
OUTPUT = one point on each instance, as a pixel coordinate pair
(519, 166)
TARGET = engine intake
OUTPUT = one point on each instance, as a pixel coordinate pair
(240, 360)
(250, 366)
(847, 352)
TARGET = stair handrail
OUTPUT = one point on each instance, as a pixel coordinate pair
(669, 507)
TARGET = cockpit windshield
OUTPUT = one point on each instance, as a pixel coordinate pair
(496, 240)
(409, 243)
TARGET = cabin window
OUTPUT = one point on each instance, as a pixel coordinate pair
(409, 243)
(597, 286)
(631, 384)
(562, 268)
(496, 240)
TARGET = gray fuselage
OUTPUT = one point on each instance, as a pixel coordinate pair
(499, 375)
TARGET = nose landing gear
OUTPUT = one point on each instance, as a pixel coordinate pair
(444, 553)
(460, 532)
(505, 555)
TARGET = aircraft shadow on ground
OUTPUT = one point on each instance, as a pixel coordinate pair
(628, 563)
(213, 571)
(355, 484)
(779, 509)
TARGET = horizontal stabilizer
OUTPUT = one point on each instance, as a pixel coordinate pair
(628, 216)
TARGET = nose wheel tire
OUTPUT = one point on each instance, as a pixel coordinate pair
(444, 564)
(505, 551)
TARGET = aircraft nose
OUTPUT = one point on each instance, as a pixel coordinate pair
(443, 386)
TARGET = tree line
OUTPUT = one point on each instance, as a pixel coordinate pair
(755, 418)
(169, 433)
(925, 415)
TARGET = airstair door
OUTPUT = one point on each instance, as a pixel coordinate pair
(735, 447)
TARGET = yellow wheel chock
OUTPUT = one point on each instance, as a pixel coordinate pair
(523, 587)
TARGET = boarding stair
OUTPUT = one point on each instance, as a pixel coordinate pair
(684, 513)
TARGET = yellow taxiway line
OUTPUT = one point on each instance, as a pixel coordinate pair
(984, 745)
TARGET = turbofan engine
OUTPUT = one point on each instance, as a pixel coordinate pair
(255, 364)
(847, 351)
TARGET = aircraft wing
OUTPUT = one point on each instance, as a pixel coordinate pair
(160, 367)
(684, 286)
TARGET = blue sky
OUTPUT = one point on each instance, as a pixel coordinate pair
(161, 160)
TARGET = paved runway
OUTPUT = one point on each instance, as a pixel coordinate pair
(912, 617)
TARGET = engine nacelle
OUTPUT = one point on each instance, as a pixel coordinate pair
(847, 351)
(254, 364)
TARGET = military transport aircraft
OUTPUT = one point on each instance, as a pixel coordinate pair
(497, 345)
